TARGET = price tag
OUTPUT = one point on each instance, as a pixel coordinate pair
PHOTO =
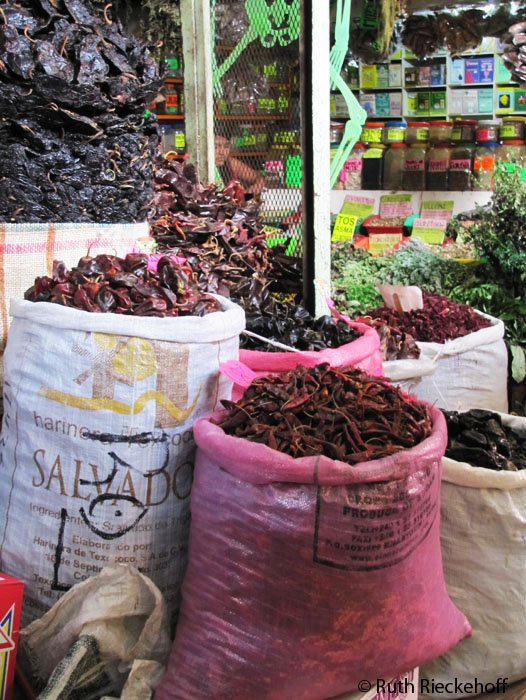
(430, 230)
(344, 227)
(396, 205)
(439, 209)
(382, 242)
(361, 207)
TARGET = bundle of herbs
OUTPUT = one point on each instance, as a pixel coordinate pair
(481, 439)
(342, 414)
(107, 284)
(439, 320)
(74, 143)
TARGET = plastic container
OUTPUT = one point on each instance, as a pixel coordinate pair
(484, 165)
(372, 167)
(511, 154)
(511, 129)
(460, 167)
(336, 132)
(439, 132)
(414, 173)
(351, 174)
(437, 166)
(394, 132)
(372, 132)
(417, 132)
(487, 132)
(394, 161)
(463, 131)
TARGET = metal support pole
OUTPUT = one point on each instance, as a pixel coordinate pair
(197, 53)
(315, 123)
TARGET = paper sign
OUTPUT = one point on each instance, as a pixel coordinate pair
(381, 242)
(439, 209)
(430, 230)
(344, 227)
(361, 207)
(396, 205)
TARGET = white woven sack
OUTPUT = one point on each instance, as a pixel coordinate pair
(483, 536)
(471, 372)
(97, 444)
(407, 374)
(28, 250)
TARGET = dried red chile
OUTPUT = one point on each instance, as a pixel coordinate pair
(441, 319)
(293, 325)
(107, 284)
(221, 236)
(394, 344)
(74, 145)
(479, 438)
(342, 414)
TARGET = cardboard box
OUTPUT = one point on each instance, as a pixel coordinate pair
(382, 75)
(11, 595)
(485, 101)
(455, 101)
(395, 104)
(486, 69)
(470, 102)
(423, 102)
(520, 100)
(456, 71)
(438, 74)
(368, 77)
(504, 100)
(382, 104)
(368, 102)
(403, 687)
(438, 104)
(502, 74)
(471, 71)
(411, 76)
(412, 102)
(395, 75)
(424, 76)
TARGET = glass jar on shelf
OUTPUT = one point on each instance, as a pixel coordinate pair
(351, 174)
(372, 167)
(437, 166)
(460, 167)
(417, 132)
(484, 165)
(512, 129)
(414, 173)
(394, 161)
(394, 132)
(372, 132)
(463, 131)
(512, 154)
(440, 132)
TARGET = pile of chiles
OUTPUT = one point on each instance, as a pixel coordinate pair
(342, 414)
(107, 284)
(439, 320)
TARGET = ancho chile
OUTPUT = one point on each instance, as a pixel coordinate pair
(439, 320)
(480, 438)
(74, 143)
(108, 284)
(343, 414)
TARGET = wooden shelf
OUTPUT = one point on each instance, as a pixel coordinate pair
(170, 117)
(380, 89)
(251, 117)
(408, 88)
(468, 86)
(174, 81)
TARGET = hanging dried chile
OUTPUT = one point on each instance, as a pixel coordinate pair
(342, 414)
(73, 91)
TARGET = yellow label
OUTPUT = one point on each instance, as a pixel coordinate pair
(344, 227)
(381, 242)
(180, 140)
(372, 135)
(422, 134)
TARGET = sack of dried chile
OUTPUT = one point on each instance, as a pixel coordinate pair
(308, 573)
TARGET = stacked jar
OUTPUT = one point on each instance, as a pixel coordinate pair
(414, 172)
(351, 174)
(512, 152)
(437, 161)
(373, 157)
(487, 136)
(461, 161)
(393, 136)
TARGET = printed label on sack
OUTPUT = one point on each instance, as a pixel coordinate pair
(106, 467)
(362, 527)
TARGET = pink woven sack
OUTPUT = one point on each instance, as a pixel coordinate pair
(363, 353)
(308, 575)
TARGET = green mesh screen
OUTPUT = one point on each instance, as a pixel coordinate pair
(257, 108)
